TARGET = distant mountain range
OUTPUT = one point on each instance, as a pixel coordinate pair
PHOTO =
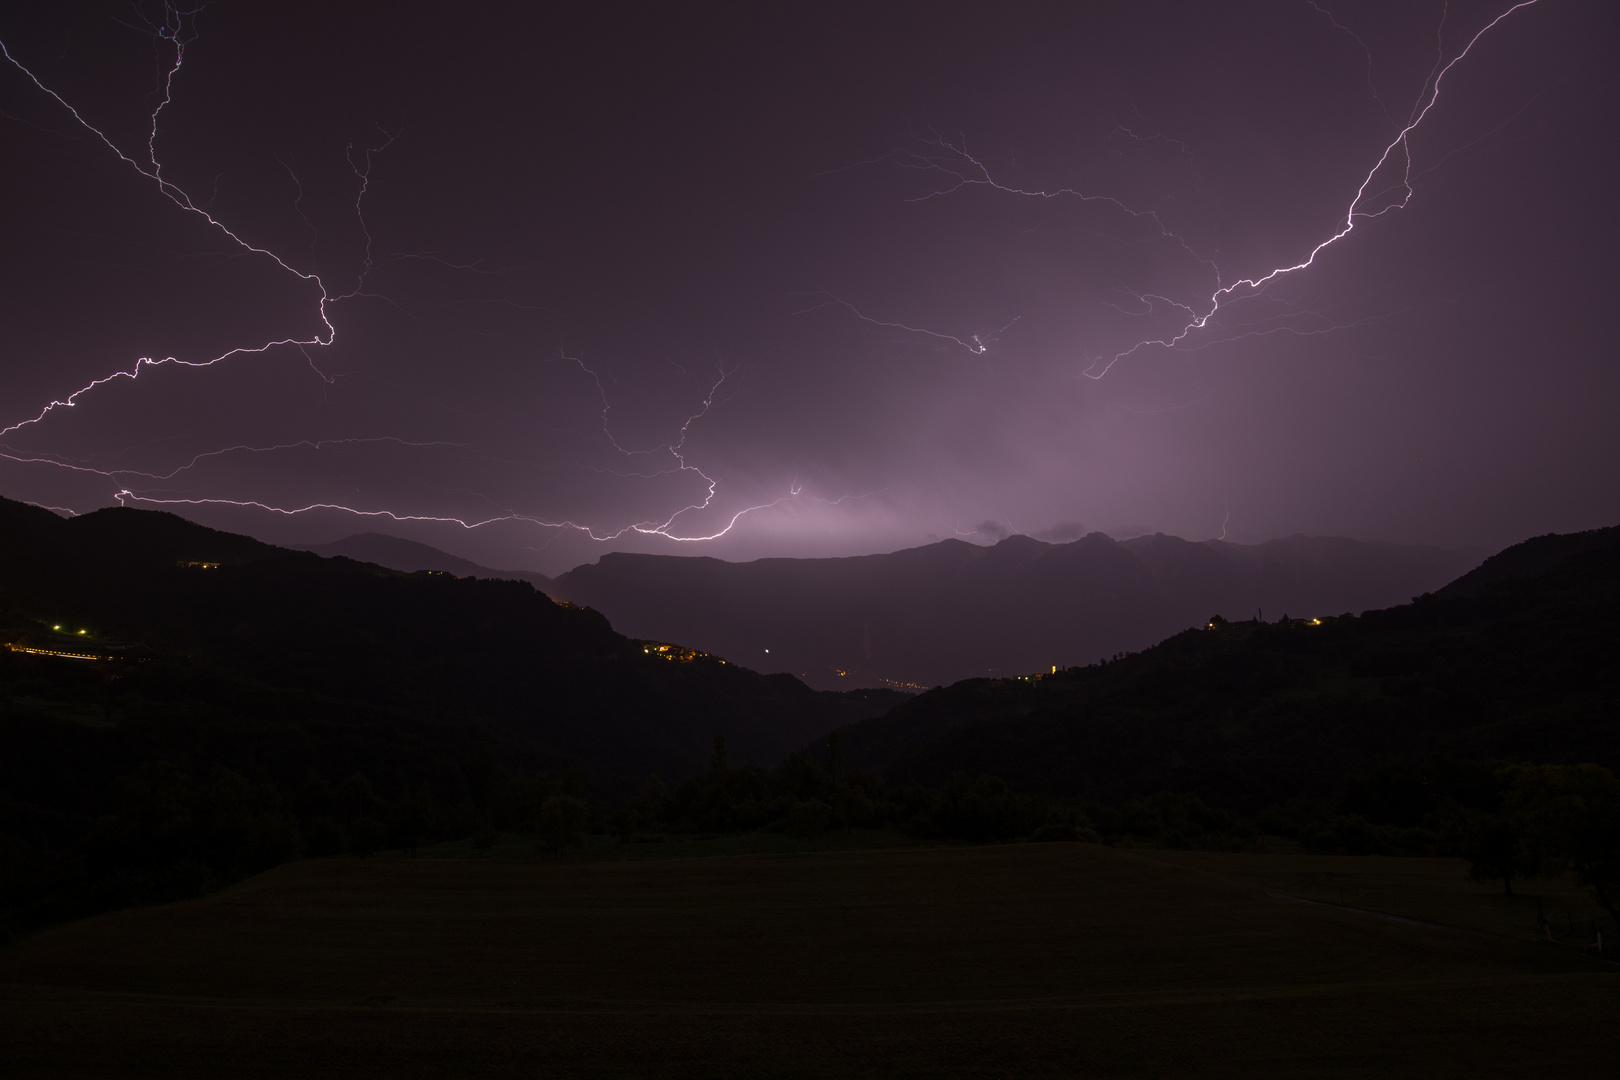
(1513, 663)
(932, 615)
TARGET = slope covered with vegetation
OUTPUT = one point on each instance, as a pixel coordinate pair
(245, 704)
(1384, 719)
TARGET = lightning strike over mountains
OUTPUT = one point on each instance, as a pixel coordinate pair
(279, 274)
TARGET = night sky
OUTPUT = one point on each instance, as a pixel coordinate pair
(883, 273)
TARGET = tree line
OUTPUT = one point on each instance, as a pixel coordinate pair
(185, 801)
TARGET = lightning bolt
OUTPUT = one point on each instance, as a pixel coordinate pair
(665, 528)
(956, 168)
(311, 444)
(176, 31)
(976, 344)
(1343, 29)
(1248, 286)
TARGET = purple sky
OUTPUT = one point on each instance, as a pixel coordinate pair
(868, 271)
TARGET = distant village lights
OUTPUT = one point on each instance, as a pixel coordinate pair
(1217, 622)
(677, 653)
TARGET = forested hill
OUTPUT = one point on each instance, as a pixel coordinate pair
(1250, 714)
(180, 597)
(1532, 557)
(397, 553)
(181, 707)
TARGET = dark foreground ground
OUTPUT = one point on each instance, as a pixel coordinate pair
(1023, 960)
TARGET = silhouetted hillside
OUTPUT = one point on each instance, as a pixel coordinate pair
(1529, 558)
(397, 553)
(932, 615)
(181, 707)
(427, 642)
(1251, 714)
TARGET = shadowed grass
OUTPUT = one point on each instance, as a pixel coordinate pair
(1033, 959)
(1429, 890)
(598, 847)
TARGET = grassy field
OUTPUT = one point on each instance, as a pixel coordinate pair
(599, 847)
(1427, 890)
(1018, 960)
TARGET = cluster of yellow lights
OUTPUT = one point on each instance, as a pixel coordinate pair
(69, 654)
(14, 647)
(676, 652)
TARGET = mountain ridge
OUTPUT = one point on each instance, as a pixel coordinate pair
(408, 556)
(1248, 713)
(935, 614)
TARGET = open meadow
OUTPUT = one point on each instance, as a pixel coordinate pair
(1018, 960)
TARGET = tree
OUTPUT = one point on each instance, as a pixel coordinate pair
(1573, 812)
(717, 759)
(653, 797)
(411, 818)
(356, 797)
(572, 782)
(853, 808)
(622, 824)
(835, 757)
(808, 818)
(802, 776)
(366, 836)
(1499, 847)
(562, 817)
